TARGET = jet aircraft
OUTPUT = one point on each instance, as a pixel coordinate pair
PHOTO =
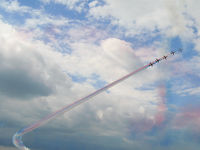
(150, 64)
(165, 57)
(157, 60)
(172, 52)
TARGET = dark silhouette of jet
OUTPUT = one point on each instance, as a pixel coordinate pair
(165, 57)
(172, 52)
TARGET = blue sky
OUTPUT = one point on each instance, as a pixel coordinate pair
(53, 52)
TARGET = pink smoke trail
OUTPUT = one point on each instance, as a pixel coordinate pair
(17, 138)
(160, 115)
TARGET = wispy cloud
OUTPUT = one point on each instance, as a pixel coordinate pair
(14, 6)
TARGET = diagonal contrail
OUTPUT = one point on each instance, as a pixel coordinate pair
(17, 138)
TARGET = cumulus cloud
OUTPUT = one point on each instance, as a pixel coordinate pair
(24, 70)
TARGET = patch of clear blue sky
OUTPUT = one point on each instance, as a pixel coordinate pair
(61, 10)
(78, 78)
(14, 18)
(97, 82)
(30, 3)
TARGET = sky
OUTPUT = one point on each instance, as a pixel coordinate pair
(53, 52)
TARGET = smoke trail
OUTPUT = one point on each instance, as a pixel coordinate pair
(17, 138)
(162, 108)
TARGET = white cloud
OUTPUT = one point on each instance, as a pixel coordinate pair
(193, 10)
(29, 70)
(144, 16)
(197, 44)
(193, 91)
(45, 1)
(132, 14)
(93, 3)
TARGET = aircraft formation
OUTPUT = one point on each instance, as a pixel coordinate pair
(164, 57)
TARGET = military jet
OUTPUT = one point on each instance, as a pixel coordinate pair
(172, 52)
(157, 60)
(165, 57)
(151, 64)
